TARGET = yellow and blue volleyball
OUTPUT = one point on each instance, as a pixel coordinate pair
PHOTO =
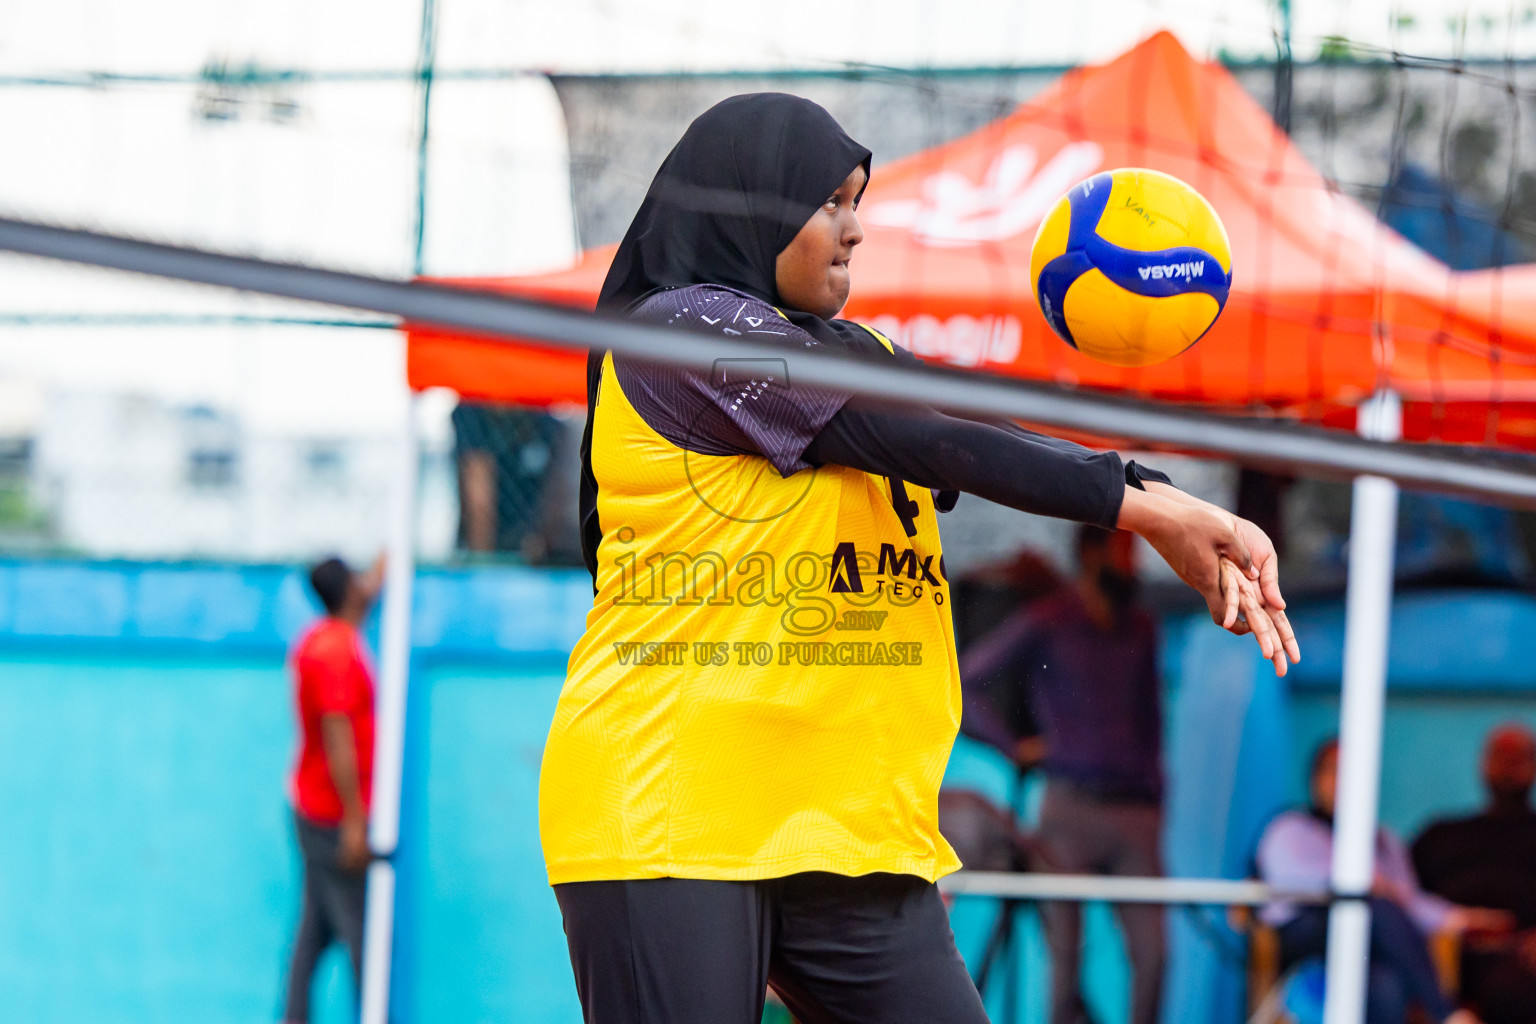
(1131, 267)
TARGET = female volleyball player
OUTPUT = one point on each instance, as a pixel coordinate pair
(740, 786)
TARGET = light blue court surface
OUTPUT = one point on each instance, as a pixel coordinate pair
(147, 873)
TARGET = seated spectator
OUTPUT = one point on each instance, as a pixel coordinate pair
(1296, 854)
(1489, 860)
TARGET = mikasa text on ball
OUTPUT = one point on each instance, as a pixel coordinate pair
(1131, 267)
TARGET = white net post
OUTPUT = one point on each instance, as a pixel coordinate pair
(1367, 618)
(389, 748)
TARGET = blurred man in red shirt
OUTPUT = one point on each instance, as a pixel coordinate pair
(331, 783)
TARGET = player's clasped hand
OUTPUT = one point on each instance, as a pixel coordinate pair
(1229, 560)
(1260, 601)
(1249, 612)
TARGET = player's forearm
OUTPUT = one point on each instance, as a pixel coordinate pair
(1145, 511)
(1188, 535)
(1168, 501)
(341, 759)
(1174, 494)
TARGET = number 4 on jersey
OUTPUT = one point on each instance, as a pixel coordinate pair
(906, 509)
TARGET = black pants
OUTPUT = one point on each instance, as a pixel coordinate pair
(1401, 973)
(838, 950)
(333, 912)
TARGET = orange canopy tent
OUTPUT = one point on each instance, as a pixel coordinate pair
(1327, 304)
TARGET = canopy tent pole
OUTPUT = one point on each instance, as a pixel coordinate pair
(1367, 618)
(389, 742)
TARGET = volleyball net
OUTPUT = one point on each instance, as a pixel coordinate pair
(1336, 171)
(1373, 186)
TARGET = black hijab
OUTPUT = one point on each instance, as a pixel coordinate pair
(735, 190)
(733, 193)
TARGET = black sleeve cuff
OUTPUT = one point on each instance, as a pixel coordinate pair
(1137, 475)
(1109, 516)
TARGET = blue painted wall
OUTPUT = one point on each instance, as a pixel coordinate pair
(488, 942)
(147, 872)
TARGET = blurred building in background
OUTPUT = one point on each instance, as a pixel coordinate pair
(123, 474)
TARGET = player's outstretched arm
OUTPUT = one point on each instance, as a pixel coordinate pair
(1057, 478)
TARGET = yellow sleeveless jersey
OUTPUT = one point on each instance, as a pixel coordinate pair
(767, 683)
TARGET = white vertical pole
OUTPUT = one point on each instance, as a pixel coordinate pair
(1367, 617)
(389, 741)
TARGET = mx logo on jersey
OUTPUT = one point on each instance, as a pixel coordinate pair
(845, 570)
(1012, 198)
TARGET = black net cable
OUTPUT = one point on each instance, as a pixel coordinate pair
(1484, 473)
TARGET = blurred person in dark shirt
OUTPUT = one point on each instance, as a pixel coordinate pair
(1070, 683)
(987, 595)
(1489, 860)
(332, 781)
